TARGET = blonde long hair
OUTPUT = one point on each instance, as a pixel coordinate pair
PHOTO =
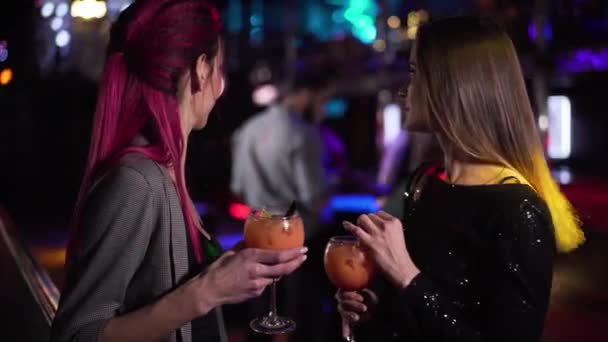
(470, 90)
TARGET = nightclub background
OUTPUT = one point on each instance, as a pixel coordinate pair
(52, 54)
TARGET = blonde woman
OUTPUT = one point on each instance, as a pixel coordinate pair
(472, 259)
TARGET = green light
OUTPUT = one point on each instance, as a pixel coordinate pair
(360, 5)
(364, 21)
(366, 34)
(350, 14)
(361, 14)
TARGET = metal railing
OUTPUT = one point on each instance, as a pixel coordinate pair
(41, 286)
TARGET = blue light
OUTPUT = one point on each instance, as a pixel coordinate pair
(316, 22)
(335, 108)
(235, 15)
(255, 20)
(354, 203)
(256, 35)
(338, 16)
(228, 241)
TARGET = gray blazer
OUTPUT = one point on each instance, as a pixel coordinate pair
(132, 250)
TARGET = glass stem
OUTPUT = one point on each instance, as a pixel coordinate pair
(273, 300)
(351, 336)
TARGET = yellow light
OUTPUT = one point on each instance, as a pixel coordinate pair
(393, 22)
(413, 19)
(411, 32)
(379, 45)
(6, 76)
(89, 9)
(423, 16)
(50, 257)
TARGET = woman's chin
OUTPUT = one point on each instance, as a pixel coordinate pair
(200, 124)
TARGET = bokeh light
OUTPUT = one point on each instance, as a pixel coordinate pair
(379, 45)
(56, 23)
(47, 9)
(6, 76)
(61, 10)
(63, 38)
(393, 22)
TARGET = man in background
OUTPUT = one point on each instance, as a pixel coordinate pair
(277, 156)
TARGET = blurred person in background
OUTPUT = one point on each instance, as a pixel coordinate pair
(140, 266)
(277, 157)
(472, 259)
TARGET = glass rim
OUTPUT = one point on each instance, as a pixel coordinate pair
(344, 239)
(253, 210)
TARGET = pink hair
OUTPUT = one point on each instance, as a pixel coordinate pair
(151, 45)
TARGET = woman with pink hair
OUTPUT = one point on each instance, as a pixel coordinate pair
(140, 266)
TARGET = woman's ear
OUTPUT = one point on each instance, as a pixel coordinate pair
(202, 68)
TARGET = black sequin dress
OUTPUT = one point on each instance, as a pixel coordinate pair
(486, 259)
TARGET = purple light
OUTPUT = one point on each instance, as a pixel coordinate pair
(584, 60)
(201, 208)
(3, 51)
(547, 30)
(228, 241)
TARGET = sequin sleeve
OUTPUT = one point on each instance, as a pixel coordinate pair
(516, 291)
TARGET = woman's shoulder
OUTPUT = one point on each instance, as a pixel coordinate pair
(522, 198)
(524, 217)
(144, 166)
(132, 174)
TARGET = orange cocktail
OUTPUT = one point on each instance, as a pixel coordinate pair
(274, 229)
(347, 265)
(264, 230)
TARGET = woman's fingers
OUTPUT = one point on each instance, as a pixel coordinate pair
(350, 316)
(270, 257)
(370, 296)
(358, 232)
(385, 216)
(368, 225)
(352, 306)
(379, 222)
(349, 295)
(277, 270)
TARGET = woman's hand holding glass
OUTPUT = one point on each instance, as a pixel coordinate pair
(355, 307)
(239, 275)
(382, 235)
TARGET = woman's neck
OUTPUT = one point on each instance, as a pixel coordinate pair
(461, 169)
